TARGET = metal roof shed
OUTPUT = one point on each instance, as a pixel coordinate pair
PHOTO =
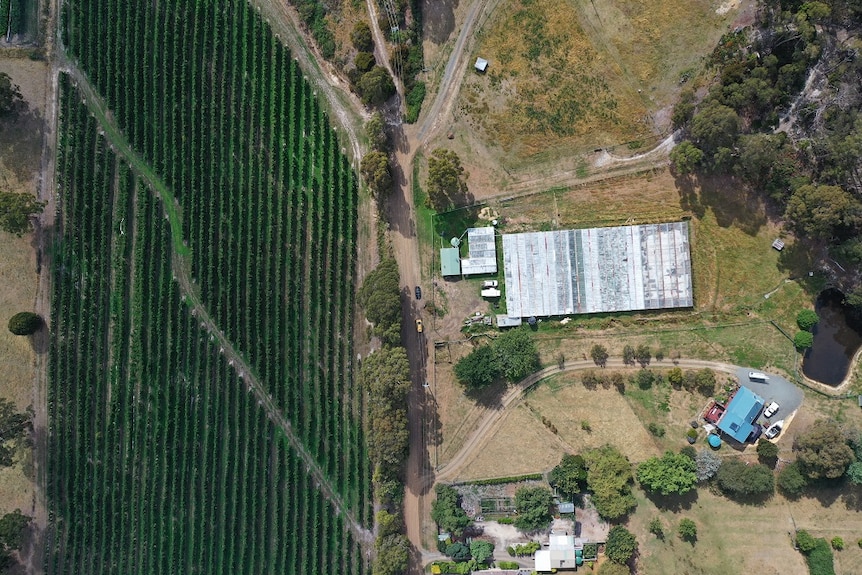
(481, 65)
(450, 262)
(741, 412)
(482, 252)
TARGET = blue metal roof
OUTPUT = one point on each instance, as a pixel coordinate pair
(741, 413)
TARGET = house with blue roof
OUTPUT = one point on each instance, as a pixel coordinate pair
(742, 411)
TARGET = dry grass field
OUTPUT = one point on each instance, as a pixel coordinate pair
(20, 155)
(567, 76)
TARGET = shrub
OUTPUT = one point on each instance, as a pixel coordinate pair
(505, 521)
(507, 565)
(692, 433)
(621, 544)
(364, 61)
(656, 528)
(25, 323)
(820, 559)
(687, 530)
(656, 429)
(837, 543)
(591, 550)
(805, 541)
(707, 464)
(743, 481)
(458, 551)
(689, 452)
(806, 319)
(585, 425)
(609, 568)
(803, 339)
(767, 452)
(859, 543)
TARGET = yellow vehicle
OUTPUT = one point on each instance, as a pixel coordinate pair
(419, 327)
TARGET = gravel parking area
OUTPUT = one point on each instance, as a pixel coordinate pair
(775, 388)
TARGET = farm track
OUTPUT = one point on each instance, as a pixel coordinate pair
(181, 266)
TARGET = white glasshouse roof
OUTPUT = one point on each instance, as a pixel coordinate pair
(597, 270)
(482, 252)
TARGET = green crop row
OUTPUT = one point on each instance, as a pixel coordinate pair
(160, 460)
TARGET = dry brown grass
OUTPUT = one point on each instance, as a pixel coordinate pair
(20, 153)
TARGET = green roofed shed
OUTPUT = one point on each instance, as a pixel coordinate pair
(450, 262)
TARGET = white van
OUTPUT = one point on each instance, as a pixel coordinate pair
(757, 376)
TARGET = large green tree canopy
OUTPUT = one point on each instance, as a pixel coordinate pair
(446, 510)
(534, 508)
(672, 473)
(823, 451)
(447, 179)
(608, 476)
(16, 210)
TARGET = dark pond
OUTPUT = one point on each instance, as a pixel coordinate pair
(836, 339)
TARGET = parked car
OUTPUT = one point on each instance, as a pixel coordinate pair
(770, 410)
(489, 283)
(757, 376)
(418, 292)
(774, 429)
(419, 326)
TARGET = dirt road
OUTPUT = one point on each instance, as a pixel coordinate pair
(491, 421)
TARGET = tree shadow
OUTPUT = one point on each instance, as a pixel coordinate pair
(675, 503)
(828, 491)
(21, 140)
(489, 396)
(438, 21)
(730, 200)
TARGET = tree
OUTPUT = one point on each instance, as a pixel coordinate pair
(393, 555)
(705, 381)
(385, 375)
(687, 530)
(854, 473)
(644, 378)
(380, 298)
(621, 545)
(364, 61)
(675, 377)
(715, 126)
(16, 210)
(629, 355)
(807, 319)
(609, 474)
(517, 355)
(12, 526)
(820, 212)
(375, 171)
(534, 508)
(767, 452)
(25, 323)
(643, 355)
(686, 157)
(388, 523)
(739, 480)
(599, 353)
(14, 426)
(361, 37)
(479, 368)
(481, 550)
(446, 510)
(458, 551)
(803, 339)
(10, 95)
(447, 180)
(570, 476)
(375, 127)
(823, 451)
(791, 482)
(375, 86)
(672, 473)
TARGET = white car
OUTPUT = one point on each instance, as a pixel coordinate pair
(489, 283)
(774, 429)
(770, 410)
